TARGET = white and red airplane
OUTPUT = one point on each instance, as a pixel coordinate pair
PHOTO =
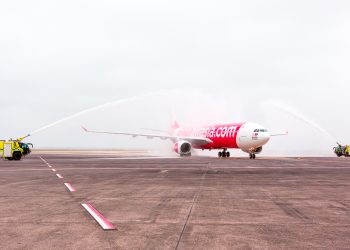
(249, 137)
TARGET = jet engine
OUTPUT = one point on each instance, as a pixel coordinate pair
(183, 148)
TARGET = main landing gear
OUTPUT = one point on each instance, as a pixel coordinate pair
(251, 156)
(224, 153)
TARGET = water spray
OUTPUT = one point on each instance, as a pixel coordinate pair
(105, 105)
(296, 114)
(83, 112)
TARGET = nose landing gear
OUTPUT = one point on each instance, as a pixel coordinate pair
(224, 153)
(251, 156)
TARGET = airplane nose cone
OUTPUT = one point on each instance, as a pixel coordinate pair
(264, 138)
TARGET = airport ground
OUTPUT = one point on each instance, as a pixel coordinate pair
(174, 203)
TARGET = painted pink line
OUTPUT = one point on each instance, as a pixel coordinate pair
(59, 176)
(70, 187)
(101, 220)
(54, 170)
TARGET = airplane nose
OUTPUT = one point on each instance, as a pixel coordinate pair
(264, 137)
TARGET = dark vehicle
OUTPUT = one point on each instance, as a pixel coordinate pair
(342, 150)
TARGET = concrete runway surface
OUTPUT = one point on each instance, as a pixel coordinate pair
(174, 203)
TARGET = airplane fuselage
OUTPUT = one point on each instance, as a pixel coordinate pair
(245, 136)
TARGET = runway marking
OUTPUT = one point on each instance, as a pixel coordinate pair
(59, 176)
(43, 160)
(54, 170)
(70, 187)
(49, 165)
(101, 220)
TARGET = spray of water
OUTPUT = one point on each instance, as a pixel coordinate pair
(96, 108)
(296, 114)
(83, 112)
(107, 105)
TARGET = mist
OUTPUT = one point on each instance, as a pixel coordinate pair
(283, 64)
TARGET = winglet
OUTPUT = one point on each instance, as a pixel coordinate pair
(84, 129)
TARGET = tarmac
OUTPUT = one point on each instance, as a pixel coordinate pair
(174, 203)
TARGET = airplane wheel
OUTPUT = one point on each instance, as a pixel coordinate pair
(253, 156)
(220, 154)
(227, 154)
(250, 156)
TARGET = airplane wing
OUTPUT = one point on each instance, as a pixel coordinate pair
(286, 133)
(193, 140)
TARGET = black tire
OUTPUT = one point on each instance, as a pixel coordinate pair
(250, 156)
(17, 156)
(253, 156)
(9, 158)
(220, 154)
(227, 154)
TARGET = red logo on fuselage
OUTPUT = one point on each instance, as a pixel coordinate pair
(223, 136)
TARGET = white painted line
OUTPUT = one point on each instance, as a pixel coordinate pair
(43, 160)
(59, 176)
(70, 187)
(54, 170)
(102, 221)
(49, 165)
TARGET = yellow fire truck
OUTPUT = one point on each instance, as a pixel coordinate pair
(14, 149)
(342, 150)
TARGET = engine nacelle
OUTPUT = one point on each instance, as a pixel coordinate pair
(253, 150)
(183, 148)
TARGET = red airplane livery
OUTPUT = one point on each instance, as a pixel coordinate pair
(249, 137)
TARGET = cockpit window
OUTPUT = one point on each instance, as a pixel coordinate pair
(260, 130)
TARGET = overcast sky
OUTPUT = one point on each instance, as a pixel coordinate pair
(211, 61)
